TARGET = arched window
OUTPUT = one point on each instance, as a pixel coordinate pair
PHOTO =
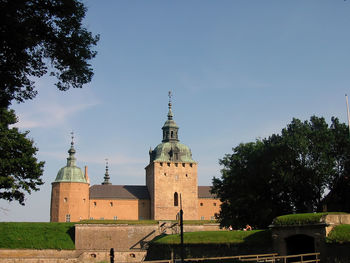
(176, 199)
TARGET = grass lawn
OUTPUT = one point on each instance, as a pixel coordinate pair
(217, 237)
(300, 219)
(37, 235)
(339, 234)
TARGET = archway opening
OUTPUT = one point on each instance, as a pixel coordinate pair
(300, 244)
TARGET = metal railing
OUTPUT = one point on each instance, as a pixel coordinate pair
(273, 257)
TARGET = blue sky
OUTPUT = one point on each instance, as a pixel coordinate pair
(238, 70)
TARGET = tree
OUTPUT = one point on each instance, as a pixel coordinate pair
(37, 37)
(20, 171)
(284, 173)
(40, 34)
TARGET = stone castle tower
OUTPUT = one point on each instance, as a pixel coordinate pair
(171, 176)
(70, 192)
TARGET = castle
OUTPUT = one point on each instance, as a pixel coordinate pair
(171, 182)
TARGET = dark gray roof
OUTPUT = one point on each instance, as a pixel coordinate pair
(204, 192)
(119, 192)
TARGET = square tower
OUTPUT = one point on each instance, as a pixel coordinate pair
(171, 176)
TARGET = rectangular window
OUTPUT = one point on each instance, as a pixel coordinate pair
(95, 203)
(212, 218)
(168, 164)
(202, 217)
(183, 164)
(115, 218)
(91, 218)
(201, 204)
(102, 218)
(67, 217)
(214, 204)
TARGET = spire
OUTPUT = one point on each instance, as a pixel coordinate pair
(71, 159)
(106, 181)
(170, 128)
(170, 113)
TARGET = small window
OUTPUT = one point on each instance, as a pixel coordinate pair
(95, 204)
(176, 199)
(190, 164)
(212, 218)
(102, 218)
(111, 204)
(164, 174)
(84, 200)
(168, 164)
(172, 134)
(65, 199)
(91, 218)
(202, 217)
(201, 204)
(214, 204)
(186, 175)
(176, 164)
(115, 218)
(67, 217)
(183, 164)
(161, 164)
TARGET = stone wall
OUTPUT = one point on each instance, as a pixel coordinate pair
(207, 208)
(122, 209)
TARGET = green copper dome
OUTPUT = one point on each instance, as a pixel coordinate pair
(70, 173)
(171, 149)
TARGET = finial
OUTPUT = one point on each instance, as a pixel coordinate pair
(170, 113)
(71, 159)
(106, 177)
(72, 133)
(169, 95)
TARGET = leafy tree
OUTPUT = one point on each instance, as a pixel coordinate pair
(38, 35)
(20, 171)
(284, 173)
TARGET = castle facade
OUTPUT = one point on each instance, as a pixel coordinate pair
(171, 182)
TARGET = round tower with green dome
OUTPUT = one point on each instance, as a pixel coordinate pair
(70, 192)
(171, 174)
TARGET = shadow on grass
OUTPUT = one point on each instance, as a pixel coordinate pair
(260, 238)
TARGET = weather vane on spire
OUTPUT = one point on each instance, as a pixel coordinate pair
(170, 95)
(72, 133)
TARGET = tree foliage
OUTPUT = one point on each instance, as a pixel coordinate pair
(20, 171)
(38, 35)
(284, 173)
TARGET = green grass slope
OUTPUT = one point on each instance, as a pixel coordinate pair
(37, 235)
(217, 237)
(339, 234)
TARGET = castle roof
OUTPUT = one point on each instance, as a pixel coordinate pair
(171, 149)
(133, 192)
(204, 192)
(108, 191)
(70, 173)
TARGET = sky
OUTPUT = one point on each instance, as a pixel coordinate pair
(239, 70)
